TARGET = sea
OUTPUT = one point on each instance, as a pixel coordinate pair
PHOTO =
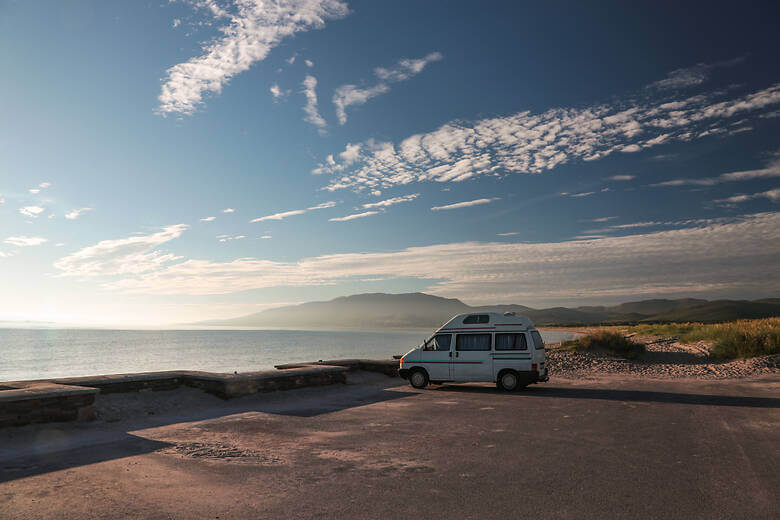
(45, 353)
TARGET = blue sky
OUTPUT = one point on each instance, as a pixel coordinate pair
(164, 162)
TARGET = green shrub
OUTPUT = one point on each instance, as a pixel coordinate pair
(612, 342)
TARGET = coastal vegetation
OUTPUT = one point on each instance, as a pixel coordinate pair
(731, 340)
(613, 342)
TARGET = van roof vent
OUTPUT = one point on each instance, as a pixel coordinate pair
(509, 314)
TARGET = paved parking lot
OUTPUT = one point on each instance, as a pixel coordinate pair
(617, 447)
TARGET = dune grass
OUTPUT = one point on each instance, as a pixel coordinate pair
(613, 342)
(735, 339)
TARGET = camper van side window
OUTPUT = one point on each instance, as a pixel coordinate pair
(511, 342)
(442, 341)
(476, 318)
(473, 342)
(537, 340)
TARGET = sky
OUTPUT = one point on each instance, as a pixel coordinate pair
(170, 162)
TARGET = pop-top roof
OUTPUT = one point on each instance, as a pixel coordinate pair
(487, 321)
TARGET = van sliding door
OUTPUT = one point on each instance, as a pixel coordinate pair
(472, 357)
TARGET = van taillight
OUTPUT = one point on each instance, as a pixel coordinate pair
(533, 366)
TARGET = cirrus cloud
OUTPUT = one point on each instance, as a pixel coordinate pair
(727, 257)
(255, 27)
(533, 143)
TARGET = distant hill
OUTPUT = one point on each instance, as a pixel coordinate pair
(418, 310)
(360, 311)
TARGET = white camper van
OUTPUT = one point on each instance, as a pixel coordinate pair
(479, 347)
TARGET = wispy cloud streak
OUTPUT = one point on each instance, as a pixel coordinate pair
(255, 27)
(284, 214)
(718, 257)
(352, 95)
(465, 204)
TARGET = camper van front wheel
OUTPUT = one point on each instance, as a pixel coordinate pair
(418, 378)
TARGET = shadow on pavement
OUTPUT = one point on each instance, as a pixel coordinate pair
(33, 465)
(624, 395)
(114, 441)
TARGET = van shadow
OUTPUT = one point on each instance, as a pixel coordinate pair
(623, 395)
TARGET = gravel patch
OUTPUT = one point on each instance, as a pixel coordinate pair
(665, 358)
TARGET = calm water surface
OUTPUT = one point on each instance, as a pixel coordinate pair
(47, 353)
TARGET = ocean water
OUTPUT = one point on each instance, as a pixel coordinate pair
(48, 353)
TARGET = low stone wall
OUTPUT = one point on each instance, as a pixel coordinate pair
(45, 402)
(236, 385)
(72, 398)
(383, 366)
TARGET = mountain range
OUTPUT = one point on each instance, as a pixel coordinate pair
(376, 311)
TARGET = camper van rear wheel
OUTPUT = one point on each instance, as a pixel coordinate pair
(418, 378)
(508, 381)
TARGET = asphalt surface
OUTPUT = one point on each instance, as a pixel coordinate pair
(617, 447)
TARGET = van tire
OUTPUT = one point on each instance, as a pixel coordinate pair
(508, 381)
(418, 378)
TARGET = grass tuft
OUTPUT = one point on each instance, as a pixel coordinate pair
(736, 339)
(612, 342)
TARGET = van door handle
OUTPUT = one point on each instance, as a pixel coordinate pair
(457, 354)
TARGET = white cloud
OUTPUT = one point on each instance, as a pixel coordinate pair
(603, 219)
(2, 200)
(25, 241)
(31, 211)
(292, 213)
(208, 219)
(354, 216)
(132, 255)
(76, 213)
(176, 23)
(772, 170)
(310, 109)
(723, 258)
(265, 237)
(309, 63)
(255, 27)
(229, 210)
(466, 204)
(681, 78)
(622, 177)
(278, 93)
(34, 191)
(290, 60)
(352, 95)
(44, 185)
(227, 238)
(583, 194)
(508, 234)
(690, 76)
(390, 202)
(406, 68)
(59, 244)
(773, 195)
(534, 143)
